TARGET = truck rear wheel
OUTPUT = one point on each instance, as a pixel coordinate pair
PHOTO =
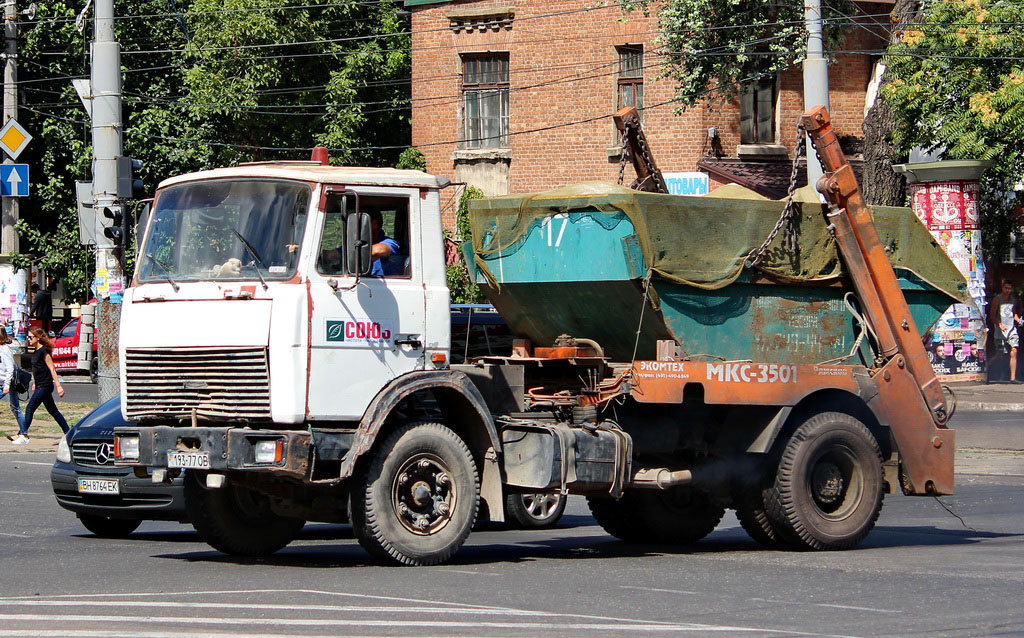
(753, 517)
(679, 515)
(416, 501)
(237, 520)
(827, 492)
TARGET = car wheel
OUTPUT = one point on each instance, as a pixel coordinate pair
(106, 527)
(94, 370)
(535, 510)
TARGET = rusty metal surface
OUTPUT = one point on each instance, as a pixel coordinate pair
(926, 449)
(400, 388)
(910, 395)
(648, 176)
(738, 383)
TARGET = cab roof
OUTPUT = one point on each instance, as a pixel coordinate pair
(314, 172)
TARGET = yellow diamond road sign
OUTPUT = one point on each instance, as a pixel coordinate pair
(14, 138)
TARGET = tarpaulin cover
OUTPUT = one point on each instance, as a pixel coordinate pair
(704, 241)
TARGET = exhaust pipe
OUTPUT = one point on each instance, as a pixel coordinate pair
(661, 478)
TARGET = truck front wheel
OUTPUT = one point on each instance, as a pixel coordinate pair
(416, 501)
(827, 492)
(237, 520)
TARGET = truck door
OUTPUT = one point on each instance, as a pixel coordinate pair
(364, 331)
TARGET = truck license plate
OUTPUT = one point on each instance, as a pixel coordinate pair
(98, 486)
(189, 460)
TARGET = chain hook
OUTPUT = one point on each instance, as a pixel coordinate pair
(755, 256)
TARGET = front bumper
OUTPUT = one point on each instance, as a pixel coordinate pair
(228, 448)
(138, 498)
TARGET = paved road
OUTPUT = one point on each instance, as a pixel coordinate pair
(922, 571)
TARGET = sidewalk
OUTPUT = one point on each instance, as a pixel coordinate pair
(988, 397)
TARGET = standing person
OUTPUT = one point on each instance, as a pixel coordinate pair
(45, 376)
(42, 306)
(7, 370)
(1005, 316)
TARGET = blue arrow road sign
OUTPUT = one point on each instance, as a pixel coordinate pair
(14, 180)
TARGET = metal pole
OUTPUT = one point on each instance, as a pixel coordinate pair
(9, 213)
(10, 204)
(106, 143)
(815, 77)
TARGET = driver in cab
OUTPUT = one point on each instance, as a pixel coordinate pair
(383, 247)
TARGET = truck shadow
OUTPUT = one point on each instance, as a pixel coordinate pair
(488, 547)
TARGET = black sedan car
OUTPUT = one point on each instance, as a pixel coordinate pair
(109, 501)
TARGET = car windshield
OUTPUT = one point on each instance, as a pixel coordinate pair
(225, 229)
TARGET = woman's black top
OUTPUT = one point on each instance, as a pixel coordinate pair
(40, 371)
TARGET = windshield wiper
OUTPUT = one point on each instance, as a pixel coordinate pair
(165, 268)
(255, 255)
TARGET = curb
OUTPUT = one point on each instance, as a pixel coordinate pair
(980, 406)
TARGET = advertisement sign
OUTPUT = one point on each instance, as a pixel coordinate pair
(687, 183)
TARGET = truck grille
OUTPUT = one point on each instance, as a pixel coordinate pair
(218, 383)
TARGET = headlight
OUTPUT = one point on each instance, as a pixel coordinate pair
(126, 447)
(64, 450)
(268, 451)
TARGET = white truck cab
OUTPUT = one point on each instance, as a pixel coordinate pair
(281, 325)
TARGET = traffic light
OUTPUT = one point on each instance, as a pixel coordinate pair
(112, 221)
(128, 186)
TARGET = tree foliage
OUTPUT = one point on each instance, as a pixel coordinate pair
(713, 46)
(463, 289)
(207, 83)
(958, 86)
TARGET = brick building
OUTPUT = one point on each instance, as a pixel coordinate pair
(516, 96)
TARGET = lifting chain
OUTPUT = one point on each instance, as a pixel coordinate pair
(755, 256)
(623, 154)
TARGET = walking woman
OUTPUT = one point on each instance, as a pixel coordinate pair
(46, 379)
(7, 369)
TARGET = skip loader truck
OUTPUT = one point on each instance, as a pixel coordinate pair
(675, 357)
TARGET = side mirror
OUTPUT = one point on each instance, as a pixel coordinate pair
(358, 244)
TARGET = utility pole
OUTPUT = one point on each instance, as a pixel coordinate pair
(105, 79)
(10, 204)
(815, 77)
(9, 213)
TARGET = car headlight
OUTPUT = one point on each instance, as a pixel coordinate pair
(126, 447)
(64, 450)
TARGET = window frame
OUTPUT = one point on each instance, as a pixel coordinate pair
(752, 126)
(474, 135)
(633, 77)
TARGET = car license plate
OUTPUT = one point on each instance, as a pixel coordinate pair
(98, 486)
(189, 460)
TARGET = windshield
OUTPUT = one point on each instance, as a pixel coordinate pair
(225, 229)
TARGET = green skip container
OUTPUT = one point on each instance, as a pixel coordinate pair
(625, 268)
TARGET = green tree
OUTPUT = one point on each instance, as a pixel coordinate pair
(958, 85)
(713, 46)
(208, 83)
(463, 289)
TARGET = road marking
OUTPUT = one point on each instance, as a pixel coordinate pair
(25, 493)
(16, 535)
(606, 624)
(85, 633)
(665, 591)
(466, 571)
(832, 605)
(34, 463)
(431, 624)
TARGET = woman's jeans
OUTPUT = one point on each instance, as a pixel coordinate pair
(16, 408)
(44, 395)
